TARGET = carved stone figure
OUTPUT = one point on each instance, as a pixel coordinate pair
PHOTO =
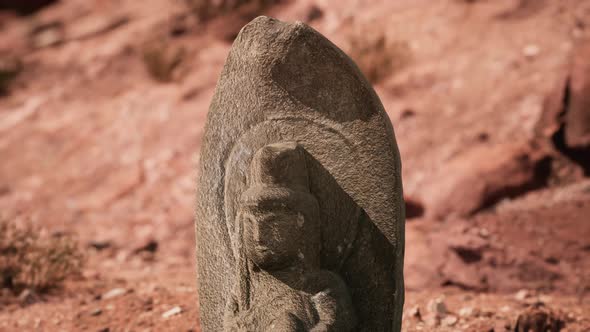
(300, 218)
(281, 285)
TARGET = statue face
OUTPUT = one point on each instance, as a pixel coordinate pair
(274, 239)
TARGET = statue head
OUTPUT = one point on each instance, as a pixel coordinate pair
(279, 215)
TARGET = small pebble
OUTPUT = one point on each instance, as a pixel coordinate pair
(114, 293)
(467, 312)
(450, 320)
(484, 233)
(172, 312)
(96, 312)
(531, 51)
(521, 295)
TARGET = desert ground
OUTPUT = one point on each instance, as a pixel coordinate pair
(100, 131)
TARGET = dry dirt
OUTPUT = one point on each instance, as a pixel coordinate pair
(91, 144)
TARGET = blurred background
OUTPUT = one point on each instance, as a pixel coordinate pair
(102, 110)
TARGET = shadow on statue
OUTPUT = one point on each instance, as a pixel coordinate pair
(310, 259)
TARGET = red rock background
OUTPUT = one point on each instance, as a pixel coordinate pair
(491, 109)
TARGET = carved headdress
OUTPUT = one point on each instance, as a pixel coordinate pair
(279, 176)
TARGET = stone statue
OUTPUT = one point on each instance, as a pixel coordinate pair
(300, 214)
(281, 285)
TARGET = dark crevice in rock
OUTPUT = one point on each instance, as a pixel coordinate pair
(468, 255)
(7, 280)
(25, 7)
(540, 179)
(523, 10)
(580, 156)
(414, 209)
(463, 286)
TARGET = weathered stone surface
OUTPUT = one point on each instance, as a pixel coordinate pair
(478, 178)
(300, 214)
